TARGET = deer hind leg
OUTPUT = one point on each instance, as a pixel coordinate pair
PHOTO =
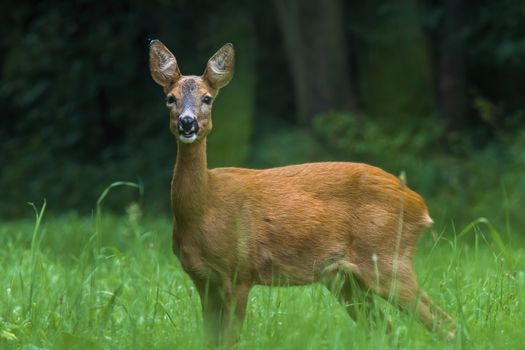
(401, 288)
(443, 321)
(340, 280)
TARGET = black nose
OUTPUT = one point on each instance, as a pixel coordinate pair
(188, 124)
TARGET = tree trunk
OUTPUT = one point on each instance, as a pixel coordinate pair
(318, 55)
(451, 75)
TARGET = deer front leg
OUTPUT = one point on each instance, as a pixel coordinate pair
(235, 301)
(212, 309)
(223, 310)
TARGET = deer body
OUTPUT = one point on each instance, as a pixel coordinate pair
(284, 225)
(234, 228)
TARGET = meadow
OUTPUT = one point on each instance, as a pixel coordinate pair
(428, 89)
(110, 281)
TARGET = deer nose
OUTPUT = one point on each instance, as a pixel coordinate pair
(188, 124)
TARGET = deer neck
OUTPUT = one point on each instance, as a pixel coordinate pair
(190, 182)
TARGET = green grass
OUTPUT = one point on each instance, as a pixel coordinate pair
(108, 282)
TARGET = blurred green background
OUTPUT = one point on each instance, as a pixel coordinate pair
(431, 88)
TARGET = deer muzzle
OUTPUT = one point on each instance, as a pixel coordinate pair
(188, 128)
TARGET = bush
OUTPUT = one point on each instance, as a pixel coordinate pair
(460, 181)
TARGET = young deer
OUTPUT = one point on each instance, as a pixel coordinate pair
(319, 222)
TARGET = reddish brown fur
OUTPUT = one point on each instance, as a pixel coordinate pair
(234, 228)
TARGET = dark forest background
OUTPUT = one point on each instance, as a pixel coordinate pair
(431, 88)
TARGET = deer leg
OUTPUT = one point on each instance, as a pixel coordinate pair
(413, 299)
(402, 289)
(235, 301)
(223, 310)
(339, 284)
(212, 311)
(351, 294)
(436, 317)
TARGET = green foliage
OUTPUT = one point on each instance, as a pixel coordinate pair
(460, 180)
(362, 139)
(63, 291)
(395, 72)
(77, 102)
(68, 184)
(285, 145)
(80, 109)
(233, 113)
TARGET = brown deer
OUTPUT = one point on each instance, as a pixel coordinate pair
(318, 222)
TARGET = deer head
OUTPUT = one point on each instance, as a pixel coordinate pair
(189, 98)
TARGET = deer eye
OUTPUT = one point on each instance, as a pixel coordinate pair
(206, 100)
(171, 100)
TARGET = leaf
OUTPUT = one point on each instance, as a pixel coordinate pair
(7, 335)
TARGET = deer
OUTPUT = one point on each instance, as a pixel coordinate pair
(351, 226)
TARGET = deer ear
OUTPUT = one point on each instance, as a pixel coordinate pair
(219, 70)
(162, 64)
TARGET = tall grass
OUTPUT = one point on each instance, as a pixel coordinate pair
(109, 282)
